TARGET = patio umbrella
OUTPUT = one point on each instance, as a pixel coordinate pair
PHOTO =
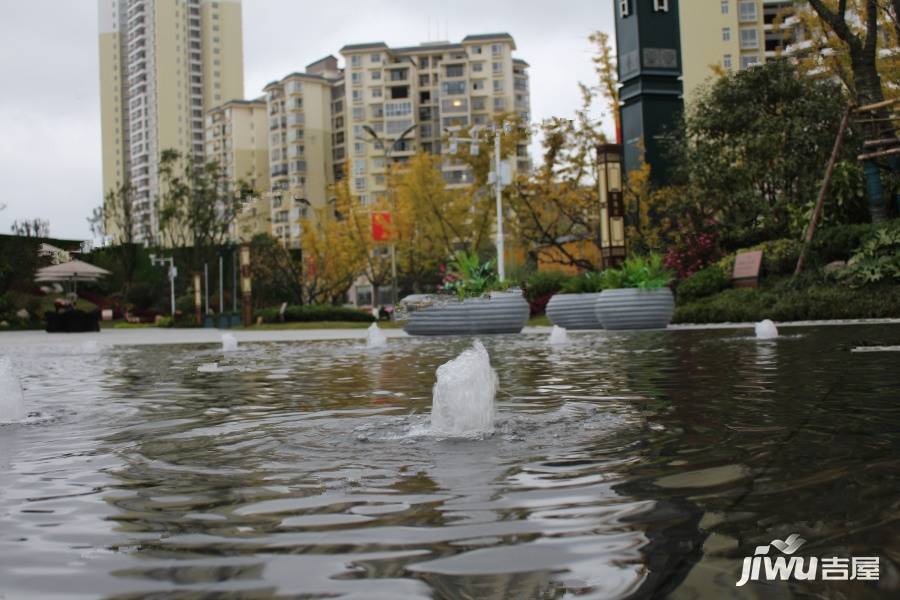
(72, 271)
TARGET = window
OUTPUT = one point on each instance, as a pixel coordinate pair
(496, 49)
(661, 5)
(376, 75)
(749, 60)
(397, 109)
(359, 166)
(747, 10)
(357, 96)
(477, 84)
(356, 78)
(498, 85)
(423, 62)
(748, 38)
(376, 92)
(454, 70)
(499, 104)
(477, 67)
(359, 184)
(355, 60)
(454, 87)
(455, 105)
(478, 103)
(624, 8)
(359, 148)
(359, 113)
(396, 127)
(726, 62)
(726, 34)
(497, 67)
(375, 57)
(725, 7)
(424, 79)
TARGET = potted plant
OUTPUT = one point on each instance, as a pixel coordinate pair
(574, 306)
(479, 303)
(635, 295)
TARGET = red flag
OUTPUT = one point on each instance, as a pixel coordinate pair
(381, 226)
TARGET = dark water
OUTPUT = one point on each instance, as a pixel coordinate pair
(623, 465)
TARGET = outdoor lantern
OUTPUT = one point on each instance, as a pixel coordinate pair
(197, 299)
(612, 204)
(246, 288)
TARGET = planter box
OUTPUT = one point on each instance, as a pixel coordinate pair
(574, 311)
(634, 308)
(502, 312)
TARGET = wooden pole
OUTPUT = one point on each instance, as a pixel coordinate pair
(820, 201)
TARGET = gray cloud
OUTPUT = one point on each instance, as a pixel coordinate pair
(50, 111)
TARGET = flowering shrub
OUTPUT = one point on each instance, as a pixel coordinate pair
(693, 253)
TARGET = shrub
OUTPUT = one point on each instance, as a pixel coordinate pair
(470, 277)
(588, 282)
(540, 287)
(791, 304)
(779, 257)
(165, 322)
(878, 257)
(142, 295)
(705, 282)
(638, 272)
(314, 312)
(838, 243)
(692, 254)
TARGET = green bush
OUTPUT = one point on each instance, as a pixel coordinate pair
(544, 283)
(779, 257)
(165, 322)
(638, 272)
(586, 283)
(704, 282)
(838, 243)
(878, 257)
(314, 312)
(792, 304)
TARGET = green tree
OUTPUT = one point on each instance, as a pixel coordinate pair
(115, 219)
(752, 151)
(197, 205)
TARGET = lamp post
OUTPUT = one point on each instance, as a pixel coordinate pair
(612, 204)
(246, 285)
(499, 178)
(388, 154)
(172, 273)
(197, 299)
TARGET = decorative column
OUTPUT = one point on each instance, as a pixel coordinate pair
(612, 204)
(198, 300)
(246, 287)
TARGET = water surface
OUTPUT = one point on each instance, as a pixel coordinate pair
(640, 464)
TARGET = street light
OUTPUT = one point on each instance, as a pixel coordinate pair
(501, 177)
(173, 273)
(388, 153)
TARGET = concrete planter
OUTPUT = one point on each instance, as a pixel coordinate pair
(634, 308)
(502, 312)
(574, 311)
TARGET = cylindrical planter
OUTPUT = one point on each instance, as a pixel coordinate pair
(635, 308)
(574, 311)
(502, 312)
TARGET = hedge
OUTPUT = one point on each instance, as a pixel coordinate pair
(314, 312)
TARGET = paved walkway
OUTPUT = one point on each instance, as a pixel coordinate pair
(152, 335)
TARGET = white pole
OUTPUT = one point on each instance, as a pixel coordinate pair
(206, 287)
(498, 182)
(172, 284)
(221, 287)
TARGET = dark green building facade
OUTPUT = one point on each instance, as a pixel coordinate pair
(648, 49)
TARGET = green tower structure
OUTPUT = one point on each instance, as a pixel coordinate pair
(648, 46)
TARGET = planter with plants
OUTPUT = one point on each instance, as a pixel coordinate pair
(574, 306)
(635, 295)
(477, 304)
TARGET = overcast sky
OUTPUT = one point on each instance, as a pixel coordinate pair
(50, 107)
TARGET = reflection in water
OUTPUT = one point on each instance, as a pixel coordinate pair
(644, 464)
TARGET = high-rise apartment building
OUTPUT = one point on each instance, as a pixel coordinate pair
(398, 101)
(163, 64)
(731, 35)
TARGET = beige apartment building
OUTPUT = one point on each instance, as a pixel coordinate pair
(237, 138)
(163, 64)
(398, 101)
(731, 35)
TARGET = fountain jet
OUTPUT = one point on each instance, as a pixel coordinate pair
(558, 336)
(12, 402)
(766, 330)
(375, 338)
(229, 342)
(463, 397)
